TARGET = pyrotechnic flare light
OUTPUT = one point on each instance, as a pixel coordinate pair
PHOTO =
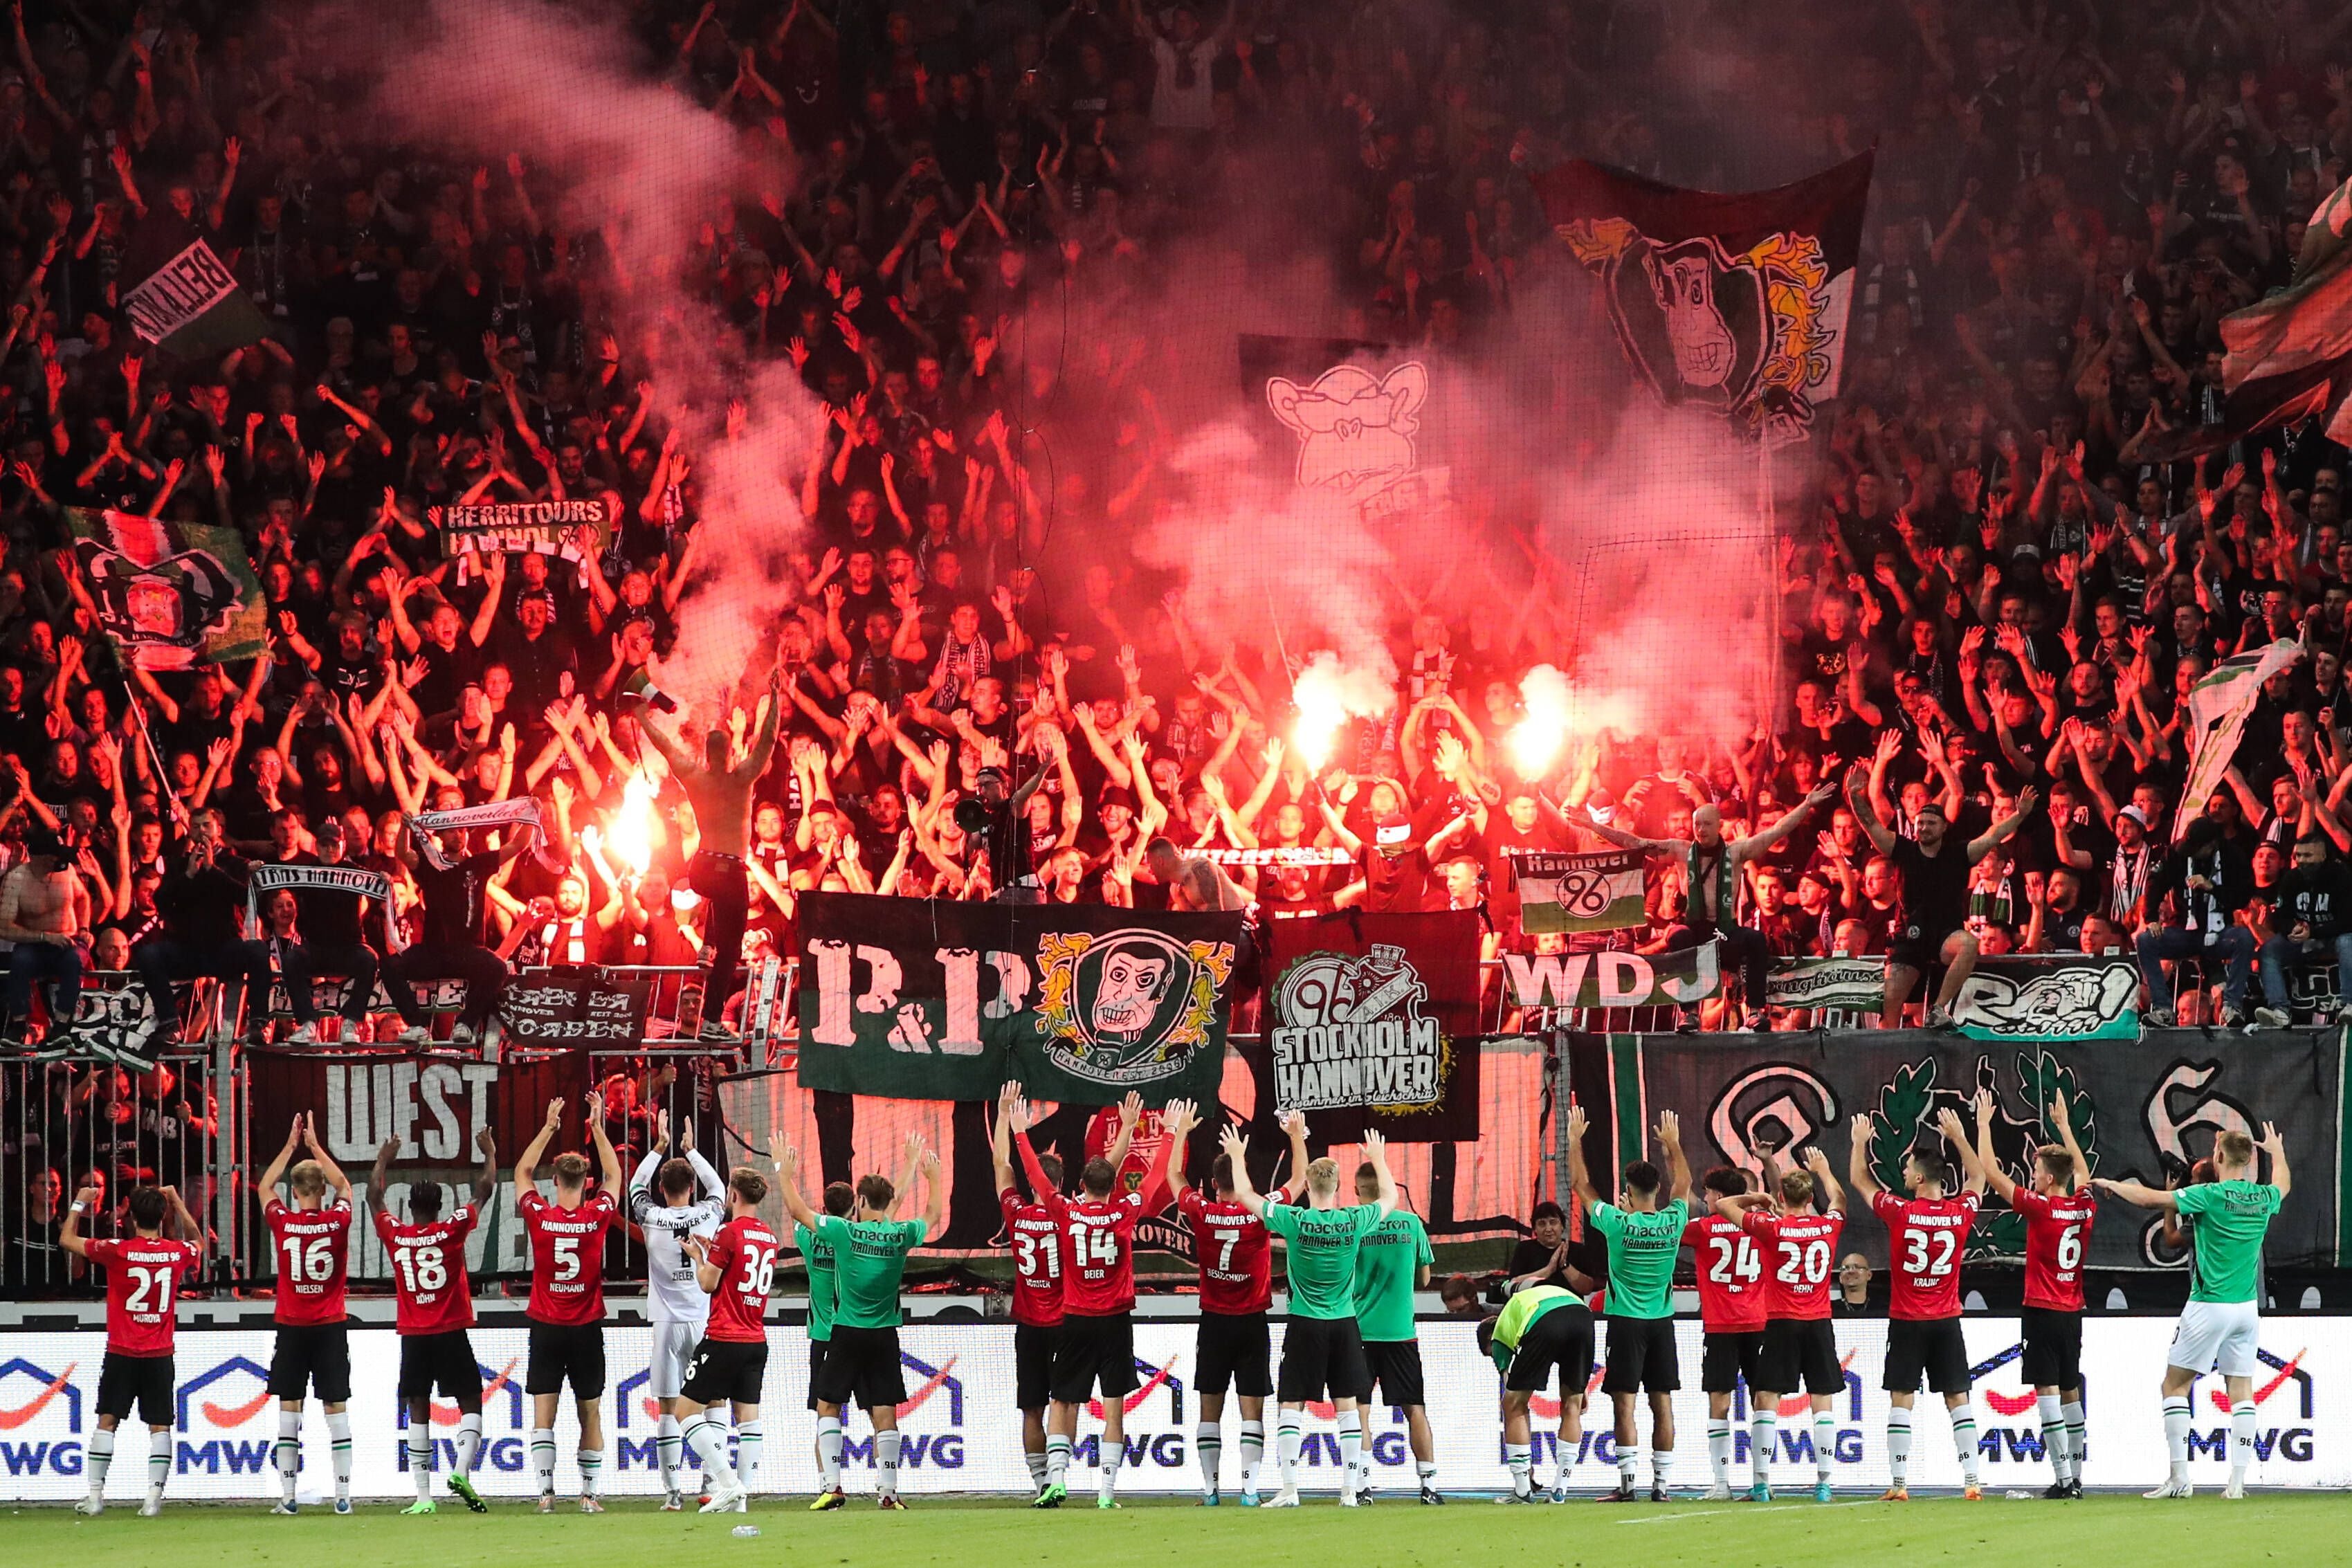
(632, 837)
(1536, 739)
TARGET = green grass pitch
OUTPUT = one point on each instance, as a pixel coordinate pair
(1174, 1533)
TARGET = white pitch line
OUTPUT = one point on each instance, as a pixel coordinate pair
(1751, 1510)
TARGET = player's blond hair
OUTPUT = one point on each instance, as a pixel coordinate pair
(2056, 1164)
(2233, 1148)
(571, 1170)
(1796, 1188)
(1323, 1177)
(310, 1178)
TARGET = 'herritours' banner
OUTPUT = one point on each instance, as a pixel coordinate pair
(927, 1000)
(1579, 892)
(1371, 1021)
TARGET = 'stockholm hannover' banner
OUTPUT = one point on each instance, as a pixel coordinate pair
(923, 999)
(2143, 1109)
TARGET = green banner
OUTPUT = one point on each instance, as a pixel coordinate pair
(918, 999)
(171, 594)
(1579, 892)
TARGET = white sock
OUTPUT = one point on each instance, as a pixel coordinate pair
(339, 1444)
(751, 1439)
(2073, 1412)
(1763, 1436)
(591, 1470)
(1037, 1458)
(1253, 1453)
(100, 1455)
(1285, 1449)
(1662, 1467)
(1209, 1447)
(1629, 1466)
(1057, 1459)
(159, 1455)
(542, 1459)
(420, 1458)
(1824, 1443)
(828, 1451)
(1516, 1455)
(1351, 1450)
(1964, 1441)
(1719, 1450)
(2242, 1440)
(1563, 1460)
(290, 1449)
(470, 1442)
(667, 1440)
(1111, 1456)
(885, 1460)
(2054, 1434)
(2176, 1436)
(704, 1437)
(1898, 1445)
(1426, 1469)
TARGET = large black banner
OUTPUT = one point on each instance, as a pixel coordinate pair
(928, 1000)
(1371, 1022)
(2142, 1109)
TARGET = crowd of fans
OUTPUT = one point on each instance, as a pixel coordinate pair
(1995, 611)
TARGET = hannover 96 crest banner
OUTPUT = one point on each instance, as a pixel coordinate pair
(1371, 1022)
(171, 594)
(1081, 1003)
(1731, 303)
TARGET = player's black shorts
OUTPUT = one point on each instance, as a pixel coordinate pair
(1730, 1358)
(1093, 1353)
(1799, 1357)
(1395, 1366)
(816, 1361)
(1562, 1338)
(1322, 1356)
(1641, 1357)
(1033, 1363)
(144, 1382)
(862, 1368)
(562, 1353)
(2053, 1348)
(1932, 1345)
(312, 1355)
(1236, 1352)
(441, 1364)
(726, 1370)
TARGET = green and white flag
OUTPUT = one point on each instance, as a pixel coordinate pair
(1854, 983)
(2218, 706)
(1579, 892)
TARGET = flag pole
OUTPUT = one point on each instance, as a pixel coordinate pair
(1770, 715)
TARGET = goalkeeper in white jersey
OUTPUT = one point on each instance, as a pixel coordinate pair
(671, 1200)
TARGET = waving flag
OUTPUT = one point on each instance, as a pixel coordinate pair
(1734, 303)
(171, 594)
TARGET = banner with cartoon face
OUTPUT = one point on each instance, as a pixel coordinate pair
(1081, 1003)
(2146, 1109)
(171, 594)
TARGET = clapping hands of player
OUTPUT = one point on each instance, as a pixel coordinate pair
(554, 1113)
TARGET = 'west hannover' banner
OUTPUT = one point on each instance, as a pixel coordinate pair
(2141, 1109)
(171, 594)
(1735, 304)
(1371, 1022)
(1579, 892)
(1613, 979)
(928, 1000)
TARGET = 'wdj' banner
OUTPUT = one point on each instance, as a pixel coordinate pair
(927, 1000)
(1579, 892)
(1371, 1022)
(171, 594)
(2144, 1109)
(1614, 978)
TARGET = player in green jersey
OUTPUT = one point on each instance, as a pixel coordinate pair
(1392, 1261)
(1540, 1328)
(1644, 1237)
(861, 1361)
(1322, 1348)
(2221, 1324)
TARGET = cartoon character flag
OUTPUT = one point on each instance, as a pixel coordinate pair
(172, 595)
(1732, 303)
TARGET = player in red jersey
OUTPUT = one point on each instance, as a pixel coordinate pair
(1927, 1236)
(1098, 1344)
(1235, 1253)
(1800, 1349)
(1036, 1237)
(737, 1267)
(142, 1295)
(434, 1308)
(567, 1297)
(1730, 1272)
(311, 1242)
(2059, 1209)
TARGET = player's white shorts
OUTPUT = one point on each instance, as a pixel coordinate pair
(673, 1353)
(2216, 1336)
